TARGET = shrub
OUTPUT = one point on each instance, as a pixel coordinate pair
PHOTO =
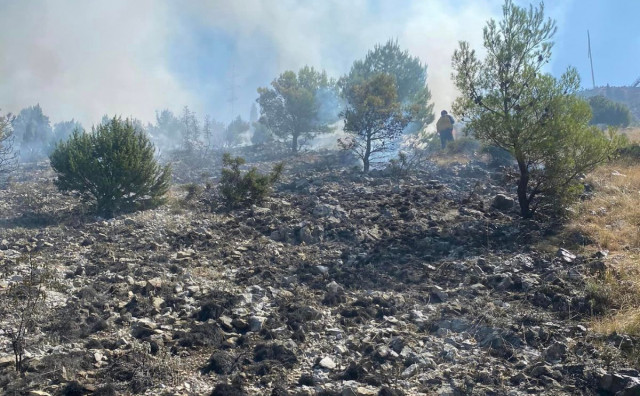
(22, 306)
(629, 150)
(239, 189)
(498, 156)
(463, 145)
(114, 166)
(608, 112)
(194, 191)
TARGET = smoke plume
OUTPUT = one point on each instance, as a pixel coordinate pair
(82, 59)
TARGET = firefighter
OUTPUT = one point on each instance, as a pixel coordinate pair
(444, 127)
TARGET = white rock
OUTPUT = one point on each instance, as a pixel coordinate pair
(327, 363)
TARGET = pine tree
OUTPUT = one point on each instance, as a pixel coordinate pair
(114, 166)
(509, 102)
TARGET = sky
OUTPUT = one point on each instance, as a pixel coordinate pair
(83, 59)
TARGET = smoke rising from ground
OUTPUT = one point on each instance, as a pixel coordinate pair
(82, 59)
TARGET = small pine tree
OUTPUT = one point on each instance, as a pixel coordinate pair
(239, 189)
(114, 166)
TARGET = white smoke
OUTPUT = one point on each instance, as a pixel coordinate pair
(331, 34)
(81, 59)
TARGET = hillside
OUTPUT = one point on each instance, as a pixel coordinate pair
(338, 285)
(630, 96)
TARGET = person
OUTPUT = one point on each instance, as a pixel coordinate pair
(444, 127)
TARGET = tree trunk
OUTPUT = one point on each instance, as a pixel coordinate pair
(523, 184)
(294, 144)
(365, 157)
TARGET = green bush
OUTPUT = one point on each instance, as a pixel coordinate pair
(628, 150)
(241, 190)
(608, 112)
(114, 166)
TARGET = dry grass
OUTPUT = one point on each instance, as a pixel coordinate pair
(445, 160)
(612, 220)
(632, 133)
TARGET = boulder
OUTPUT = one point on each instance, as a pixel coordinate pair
(503, 202)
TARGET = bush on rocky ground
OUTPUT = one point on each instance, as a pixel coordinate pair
(240, 189)
(114, 166)
(22, 305)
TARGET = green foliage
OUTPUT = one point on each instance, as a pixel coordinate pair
(373, 117)
(241, 190)
(628, 150)
(113, 166)
(508, 102)
(291, 108)
(33, 133)
(410, 78)
(608, 112)
(7, 154)
(194, 191)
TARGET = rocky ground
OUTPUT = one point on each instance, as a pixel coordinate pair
(339, 284)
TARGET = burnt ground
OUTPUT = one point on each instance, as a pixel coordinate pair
(339, 284)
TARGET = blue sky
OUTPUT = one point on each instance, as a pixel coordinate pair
(615, 41)
(82, 59)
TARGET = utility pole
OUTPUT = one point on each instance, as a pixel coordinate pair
(593, 80)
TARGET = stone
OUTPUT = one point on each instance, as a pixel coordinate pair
(157, 302)
(327, 363)
(566, 255)
(256, 323)
(226, 322)
(612, 383)
(240, 324)
(155, 283)
(322, 269)
(340, 349)
(555, 353)
(410, 371)
(540, 370)
(6, 361)
(334, 287)
(185, 254)
(503, 202)
(439, 294)
(518, 378)
(631, 389)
